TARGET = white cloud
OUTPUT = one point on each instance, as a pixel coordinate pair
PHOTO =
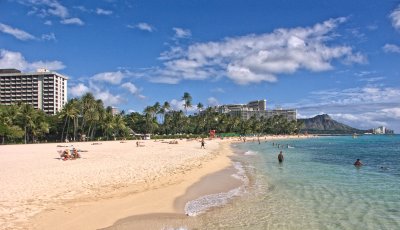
(365, 107)
(142, 26)
(114, 78)
(44, 8)
(218, 90)
(10, 59)
(391, 48)
(48, 23)
(212, 101)
(392, 112)
(72, 21)
(395, 17)
(99, 92)
(257, 58)
(17, 33)
(49, 37)
(78, 90)
(100, 11)
(132, 89)
(177, 105)
(108, 98)
(182, 33)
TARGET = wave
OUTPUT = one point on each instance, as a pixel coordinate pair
(205, 203)
(250, 153)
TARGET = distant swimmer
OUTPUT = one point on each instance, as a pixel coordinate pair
(358, 163)
(280, 157)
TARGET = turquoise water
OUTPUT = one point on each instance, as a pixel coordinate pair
(316, 187)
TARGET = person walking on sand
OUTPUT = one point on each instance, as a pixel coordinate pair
(202, 144)
(280, 157)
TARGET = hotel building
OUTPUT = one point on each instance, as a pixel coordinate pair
(256, 108)
(44, 89)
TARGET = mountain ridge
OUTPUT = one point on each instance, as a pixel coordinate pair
(324, 124)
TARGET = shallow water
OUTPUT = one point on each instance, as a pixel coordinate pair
(316, 187)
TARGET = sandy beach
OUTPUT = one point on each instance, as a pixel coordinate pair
(113, 180)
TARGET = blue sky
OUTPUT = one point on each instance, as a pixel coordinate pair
(338, 57)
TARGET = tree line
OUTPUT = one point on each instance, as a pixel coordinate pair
(87, 118)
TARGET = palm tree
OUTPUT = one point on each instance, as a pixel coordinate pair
(8, 128)
(200, 107)
(188, 101)
(26, 117)
(70, 112)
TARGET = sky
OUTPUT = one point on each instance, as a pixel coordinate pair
(337, 57)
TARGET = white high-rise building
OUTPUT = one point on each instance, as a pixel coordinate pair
(44, 89)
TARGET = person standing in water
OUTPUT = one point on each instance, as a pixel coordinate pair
(358, 163)
(280, 157)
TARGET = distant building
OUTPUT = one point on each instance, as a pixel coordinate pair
(255, 108)
(382, 130)
(44, 89)
(114, 111)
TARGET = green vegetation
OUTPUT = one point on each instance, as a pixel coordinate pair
(87, 118)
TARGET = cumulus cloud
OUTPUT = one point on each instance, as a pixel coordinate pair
(17, 33)
(72, 21)
(114, 78)
(366, 107)
(99, 92)
(391, 48)
(78, 90)
(100, 11)
(395, 17)
(132, 89)
(10, 59)
(182, 33)
(142, 26)
(108, 98)
(257, 58)
(212, 101)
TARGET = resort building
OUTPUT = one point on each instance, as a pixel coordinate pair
(256, 108)
(44, 89)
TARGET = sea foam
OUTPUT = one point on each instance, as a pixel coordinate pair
(204, 203)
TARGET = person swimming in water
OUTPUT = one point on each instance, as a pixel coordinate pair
(358, 163)
(280, 157)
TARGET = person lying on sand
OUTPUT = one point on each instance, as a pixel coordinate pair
(65, 155)
(96, 143)
(75, 154)
(173, 142)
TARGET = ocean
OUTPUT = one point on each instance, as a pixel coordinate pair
(316, 187)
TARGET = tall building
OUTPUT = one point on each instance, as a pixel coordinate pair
(257, 109)
(44, 89)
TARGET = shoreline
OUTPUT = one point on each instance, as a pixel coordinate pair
(158, 198)
(164, 190)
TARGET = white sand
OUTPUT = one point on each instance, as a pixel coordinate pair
(112, 181)
(34, 179)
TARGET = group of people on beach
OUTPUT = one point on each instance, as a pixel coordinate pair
(67, 155)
